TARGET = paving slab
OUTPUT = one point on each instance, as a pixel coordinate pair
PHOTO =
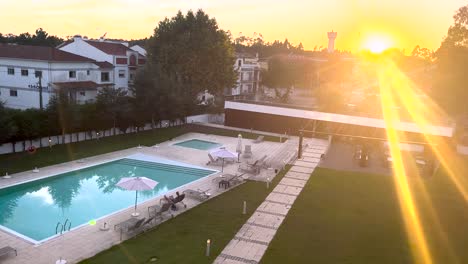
(306, 164)
(266, 220)
(223, 260)
(274, 208)
(287, 189)
(245, 250)
(256, 233)
(280, 198)
(293, 182)
(311, 155)
(298, 175)
(311, 159)
(302, 169)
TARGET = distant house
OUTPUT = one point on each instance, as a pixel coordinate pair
(248, 68)
(125, 61)
(24, 69)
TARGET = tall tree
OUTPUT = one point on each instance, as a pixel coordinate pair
(111, 102)
(452, 61)
(193, 54)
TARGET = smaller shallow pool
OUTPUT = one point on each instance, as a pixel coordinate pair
(198, 144)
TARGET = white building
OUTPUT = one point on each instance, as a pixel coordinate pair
(24, 69)
(125, 60)
(248, 68)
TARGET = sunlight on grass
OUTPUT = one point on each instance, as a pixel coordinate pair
(397, 89)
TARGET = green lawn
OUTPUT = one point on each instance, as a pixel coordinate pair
(23, 161)
(18, 162)
(348, 217)
(183, 239)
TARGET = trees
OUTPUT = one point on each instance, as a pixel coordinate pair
(40, 38)
(457, 34)
(452, 61)
(190, 54)
(256, 44)
(111, 103)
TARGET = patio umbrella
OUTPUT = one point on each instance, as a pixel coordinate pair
(239, 146)
(223, 154)
(136, 184)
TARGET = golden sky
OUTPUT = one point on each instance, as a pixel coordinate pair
(399, 23)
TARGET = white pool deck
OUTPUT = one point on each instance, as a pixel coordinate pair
(86, 241)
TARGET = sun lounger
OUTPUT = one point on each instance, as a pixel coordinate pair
(249, 168)
(247, 152)
(213, 161)
(179, 199)
(174, 200)
(259, 139)
(237, 179)
(125, 224)
(138, 228)
(260, 162)
(129, 225)
(227, 180)
(7, 250)
(159, 210)
(198, 194)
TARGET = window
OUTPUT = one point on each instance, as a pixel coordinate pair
(87, 72)
(72, 74)
(121, 73)
(131, 76)
(83, 93)
(24, 72)
(11, 71)
(14, 93)
(239, 63)
(38, 74)
(104, 76)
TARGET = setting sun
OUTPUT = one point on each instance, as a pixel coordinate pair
(378, 43)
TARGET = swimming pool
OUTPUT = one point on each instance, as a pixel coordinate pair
(32, 210)
(198, 144)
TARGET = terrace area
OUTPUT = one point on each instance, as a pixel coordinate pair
(88, 240)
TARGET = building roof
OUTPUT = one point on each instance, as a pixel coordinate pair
(39, 53)
(104, 64)
(338, 118)
(139, 49)
(109, 47)
(77, 85)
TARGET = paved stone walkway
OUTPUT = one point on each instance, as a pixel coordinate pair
(252, 240)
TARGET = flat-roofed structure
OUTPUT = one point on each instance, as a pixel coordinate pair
(286, 118)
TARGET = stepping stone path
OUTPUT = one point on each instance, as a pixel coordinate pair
(252, 240)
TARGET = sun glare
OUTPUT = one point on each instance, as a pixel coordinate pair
(377, 44)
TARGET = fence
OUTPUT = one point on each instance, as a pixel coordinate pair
(95, 134)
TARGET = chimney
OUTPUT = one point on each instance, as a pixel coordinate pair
(101, 39)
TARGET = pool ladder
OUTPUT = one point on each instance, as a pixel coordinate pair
(63, 227)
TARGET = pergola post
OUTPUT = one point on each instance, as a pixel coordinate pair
(299, 152)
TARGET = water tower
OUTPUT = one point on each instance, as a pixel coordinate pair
(331, 41)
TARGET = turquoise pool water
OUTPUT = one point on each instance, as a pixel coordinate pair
(33, 209)
(198, 144)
